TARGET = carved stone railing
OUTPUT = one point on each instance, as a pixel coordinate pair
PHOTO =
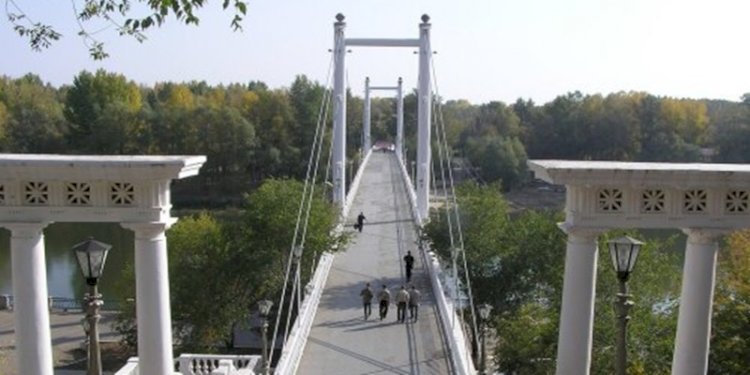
(205, 364)
(130, 368)
(215, 364)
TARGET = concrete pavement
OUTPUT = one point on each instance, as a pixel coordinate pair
(67, 336)
(341, 341)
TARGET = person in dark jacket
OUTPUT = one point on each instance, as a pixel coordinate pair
(409, 264)
(367, 295)
(360, 221)
(385, 299)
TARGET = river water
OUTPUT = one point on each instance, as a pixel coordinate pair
(63, 275)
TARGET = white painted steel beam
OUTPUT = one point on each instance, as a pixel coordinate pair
(424, 120)
(400, 121)
(367, 143)
(339, 112)
(374, 42)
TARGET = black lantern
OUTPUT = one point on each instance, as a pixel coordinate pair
(624, 252)
(91, 255)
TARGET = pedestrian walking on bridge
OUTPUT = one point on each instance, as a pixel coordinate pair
(409, 264)
(367, 295)
(402, 300)
(385, 299)
(360, 221)
(415, 296)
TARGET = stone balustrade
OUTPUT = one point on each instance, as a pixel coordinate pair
(206, 364)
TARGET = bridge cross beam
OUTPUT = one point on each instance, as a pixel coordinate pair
(424, 109)
(367, 143)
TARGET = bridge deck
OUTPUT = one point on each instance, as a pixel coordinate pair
(341, 341)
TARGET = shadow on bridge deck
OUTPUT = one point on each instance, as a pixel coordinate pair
(341, 340)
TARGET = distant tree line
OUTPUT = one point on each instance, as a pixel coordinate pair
(251, 132)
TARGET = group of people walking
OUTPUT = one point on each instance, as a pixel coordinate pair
(404, 299)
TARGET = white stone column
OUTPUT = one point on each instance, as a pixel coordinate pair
(696, 300)
(31, 306)
(579, 292)
(153, 310)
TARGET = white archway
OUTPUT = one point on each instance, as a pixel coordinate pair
(36, 190)
(703, 200)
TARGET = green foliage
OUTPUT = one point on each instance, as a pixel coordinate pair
(33, 116)
(102, 110)
(730, 343)
(620, 126)
(117, 13)
(229, 266)
(516, 263)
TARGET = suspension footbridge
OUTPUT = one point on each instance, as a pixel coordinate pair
(341, 340)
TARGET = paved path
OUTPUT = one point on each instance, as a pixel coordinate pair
(67, 336)
(341, 341)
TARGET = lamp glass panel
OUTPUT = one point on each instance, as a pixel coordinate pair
(623, 256)
(83, 263)
(633, 256)
(613, 253)
(98, 257)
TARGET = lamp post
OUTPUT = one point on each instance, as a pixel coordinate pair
(264, 308)
(484, 315)
(624, 252)
(91, 255)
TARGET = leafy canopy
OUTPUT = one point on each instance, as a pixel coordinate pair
(129, 17)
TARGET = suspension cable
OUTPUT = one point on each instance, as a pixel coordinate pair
(442, 152)
(290, 259)
(441, 122)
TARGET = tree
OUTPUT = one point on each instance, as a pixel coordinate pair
(102, 109)
(124, 15)
(227, 266)
(34, 119)
(730, 343)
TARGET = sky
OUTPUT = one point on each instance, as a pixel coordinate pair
(485, 49)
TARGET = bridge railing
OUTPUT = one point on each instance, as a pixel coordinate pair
(450, 321)
(291, 354)
(205, 364)
(61, 304)
(354, 187)
(294, 346)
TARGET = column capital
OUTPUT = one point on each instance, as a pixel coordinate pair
(579, 231)
(704, 235)
(149, 230)
(25, 230)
